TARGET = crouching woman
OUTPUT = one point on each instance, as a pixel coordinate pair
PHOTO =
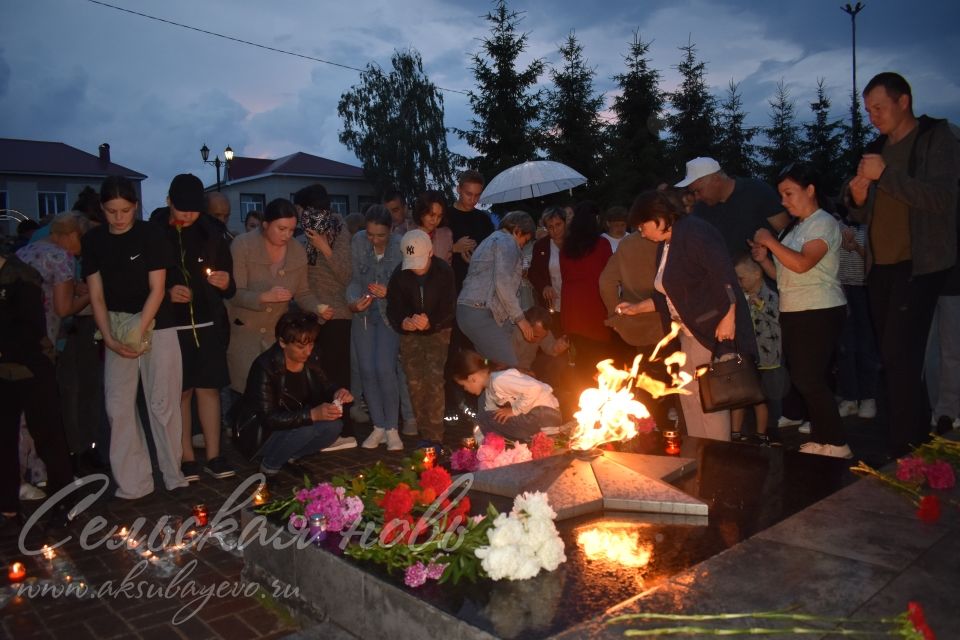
(289, 395)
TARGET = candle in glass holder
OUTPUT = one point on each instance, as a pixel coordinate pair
(318, 528)
(17, 572)
(469, 443)
(200, 513)
(671, 442)
(429, 458)
(261, 495)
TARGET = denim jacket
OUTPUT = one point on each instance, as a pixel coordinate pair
(367, 269)
(493, 280)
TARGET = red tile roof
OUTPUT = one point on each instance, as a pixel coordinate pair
(297, 164)
(36, 157)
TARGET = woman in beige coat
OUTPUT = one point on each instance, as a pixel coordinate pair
(270, 271)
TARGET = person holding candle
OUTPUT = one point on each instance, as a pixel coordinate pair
(197, 284)
(544, 272)
(289, 394)
(125, 264)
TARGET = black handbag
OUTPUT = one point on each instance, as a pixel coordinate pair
(729, 384)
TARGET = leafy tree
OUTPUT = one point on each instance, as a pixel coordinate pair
(572, 129)
(734, 140)
(783, 135)
(635, 150)
(393, 122)
(823, 140)
(693, 123)
(506, 106)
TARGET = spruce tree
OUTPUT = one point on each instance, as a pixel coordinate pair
(693, 122)
(635, 149)
(734, 140)
(854, 135)
(393, 122)
(823, 142)
(572, 129)
(506, 106)
(783, 135)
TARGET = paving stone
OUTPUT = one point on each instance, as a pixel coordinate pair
(233, 628)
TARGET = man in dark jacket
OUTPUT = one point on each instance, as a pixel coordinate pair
(299, 410)
(905, 191)
(421, 302)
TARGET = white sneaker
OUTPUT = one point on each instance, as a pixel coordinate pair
(341, 443)
(410, 427)
(784, 421)
(29, 492)
(804, 428)
(812, 447)
(868, 409)
(394, 443)
(374, 439)
(836, 451)
(848, 408)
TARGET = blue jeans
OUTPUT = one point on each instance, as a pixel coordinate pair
(289, 444)
(378, 346)
(858, 364)
(492, 341)
(522, 427)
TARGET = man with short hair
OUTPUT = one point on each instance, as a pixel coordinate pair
(905, 191)
(737, 207)
(396, 204)
(469, 225)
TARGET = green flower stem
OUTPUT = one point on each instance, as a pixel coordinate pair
(186, 279)
(765, 615)
(757, 631)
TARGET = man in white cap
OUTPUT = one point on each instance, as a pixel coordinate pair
(737, 207)
(421, 304)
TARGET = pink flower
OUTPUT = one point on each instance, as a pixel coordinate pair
(487, 456)
(415, 575)
(464, 460)
(297, 521)
(940, 475)
(434, 571)
(911, 469)
(494, 441)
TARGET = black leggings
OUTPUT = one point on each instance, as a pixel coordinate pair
(809, 340)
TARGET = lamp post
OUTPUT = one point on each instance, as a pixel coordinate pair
(217, 162)
(852, 11)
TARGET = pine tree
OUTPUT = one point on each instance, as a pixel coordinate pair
(393, 122)
(854, 135)
(506, 106)
(823, 141)
(734, 140)
(635, 150)
(572, 129)
(783, 135)
(693, 123)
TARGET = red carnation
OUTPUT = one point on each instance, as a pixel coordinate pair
(437, 479)
(397, 502)
(929, 509)
(919, 621)
(541, 446)
(459, 514)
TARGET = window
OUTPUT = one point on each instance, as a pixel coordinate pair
(51, 203)
(340, 204)
(251, 202)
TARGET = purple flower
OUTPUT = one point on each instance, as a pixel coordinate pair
(415, 575)
(434, 571)
(911, 469)
(464, 460)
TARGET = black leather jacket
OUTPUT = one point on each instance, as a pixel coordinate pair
(266, 395)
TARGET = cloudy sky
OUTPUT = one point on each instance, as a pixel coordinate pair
(81, 73)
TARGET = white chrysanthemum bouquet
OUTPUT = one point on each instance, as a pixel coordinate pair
(523, 541)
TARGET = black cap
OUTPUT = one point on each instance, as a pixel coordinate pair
(186, 193)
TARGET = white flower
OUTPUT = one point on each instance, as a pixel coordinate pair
(539, 531)
(534, 504)
(499, 562)
(526, 569)
(506, 532)
(551, 555)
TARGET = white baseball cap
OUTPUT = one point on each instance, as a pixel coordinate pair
(698, 168)
(417, 247)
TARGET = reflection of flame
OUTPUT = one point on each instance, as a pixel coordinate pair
(610, 412)
(620, 546)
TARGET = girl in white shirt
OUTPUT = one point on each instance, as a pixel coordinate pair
(511, 403)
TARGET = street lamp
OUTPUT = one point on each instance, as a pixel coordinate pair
(217, 162)
(853, 11)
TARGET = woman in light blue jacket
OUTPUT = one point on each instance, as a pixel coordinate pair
(375, 254)
(489, 303)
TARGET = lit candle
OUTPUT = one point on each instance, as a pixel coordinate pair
(17, 572)
(209, 272)
(469, 443)
(429, 458)
(671, 441)
(49, 553)
(318, 528)
(261, 495)
(200, 513)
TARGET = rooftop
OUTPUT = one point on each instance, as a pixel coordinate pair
(39, 157)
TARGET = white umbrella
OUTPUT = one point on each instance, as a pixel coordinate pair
(530, 180)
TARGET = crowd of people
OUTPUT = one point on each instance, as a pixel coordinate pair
(310, 323)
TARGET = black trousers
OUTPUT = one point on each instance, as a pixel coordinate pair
(902, 306)
(809, 341)
(37, 398)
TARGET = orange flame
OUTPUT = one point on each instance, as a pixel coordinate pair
(619, 546)
(610, 412)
